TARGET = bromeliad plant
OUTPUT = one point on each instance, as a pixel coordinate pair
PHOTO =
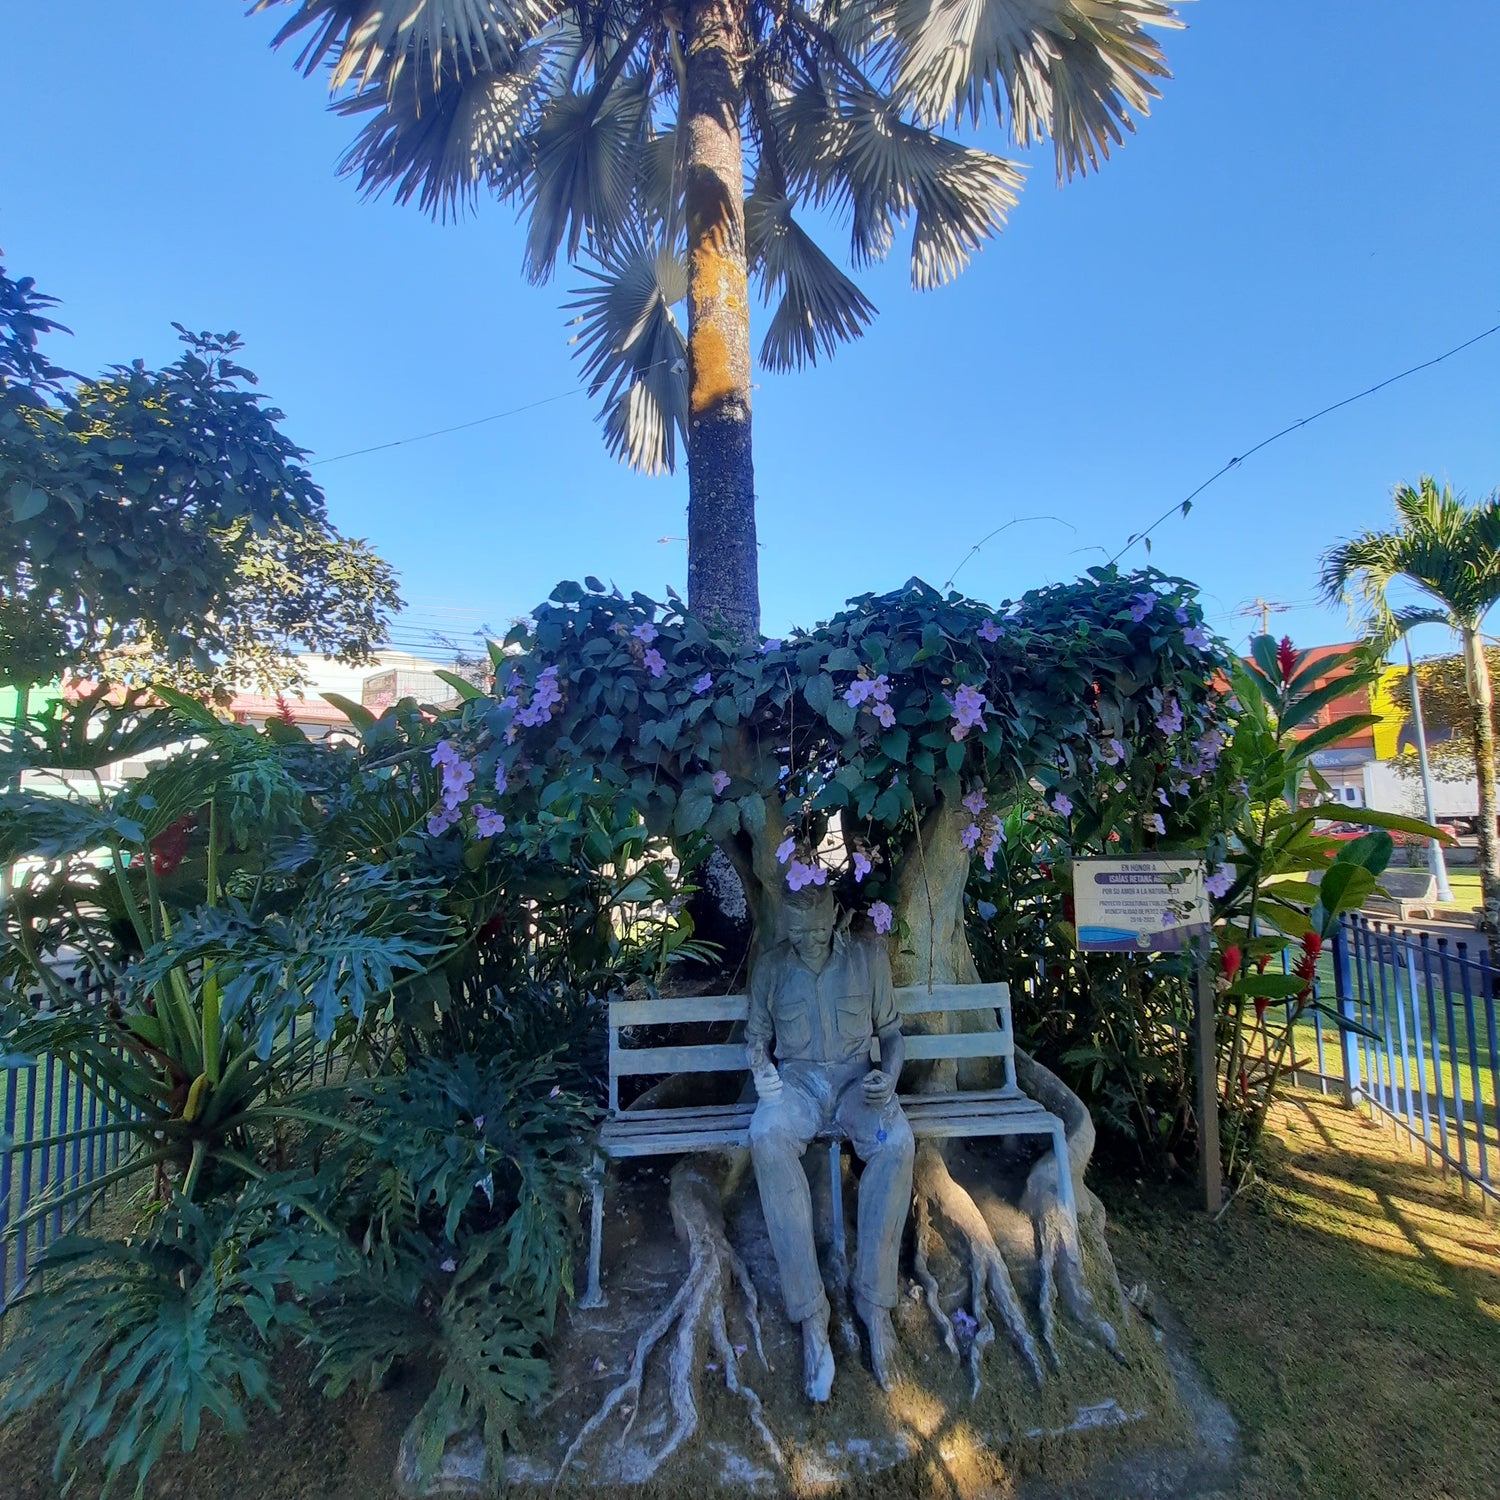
(1283, 885)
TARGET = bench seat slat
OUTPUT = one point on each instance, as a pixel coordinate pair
(916, 1000)
(678, 1009)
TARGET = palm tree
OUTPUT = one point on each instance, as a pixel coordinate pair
(621, 128)
(1448, 551)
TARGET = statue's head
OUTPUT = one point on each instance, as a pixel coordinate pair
(810, 916)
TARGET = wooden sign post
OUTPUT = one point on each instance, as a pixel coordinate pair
(1210, 1169)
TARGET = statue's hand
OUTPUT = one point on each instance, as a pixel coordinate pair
(768, 1084)
(877, 1086)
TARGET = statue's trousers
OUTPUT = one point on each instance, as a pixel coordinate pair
(826, 1097)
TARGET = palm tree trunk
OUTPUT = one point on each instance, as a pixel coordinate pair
(1481, 695)
(722, 553)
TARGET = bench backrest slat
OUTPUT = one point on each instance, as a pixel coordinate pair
(729, 1057)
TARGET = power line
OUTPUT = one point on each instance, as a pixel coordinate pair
(1186, 504)
(513, 411)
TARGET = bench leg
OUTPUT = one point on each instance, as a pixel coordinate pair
(594, 1295)
(1065, 1194)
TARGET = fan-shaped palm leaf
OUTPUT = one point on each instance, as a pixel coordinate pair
(371, 42)
(1071, 69)
(585, 161)
(820, 307)
(439, 143)
(888, 170)
(635, 348)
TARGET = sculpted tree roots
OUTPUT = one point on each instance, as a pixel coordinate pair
(940, 1200)
(699, 1314)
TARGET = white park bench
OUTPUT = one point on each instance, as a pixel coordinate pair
(719, 1127)
(1407, 892)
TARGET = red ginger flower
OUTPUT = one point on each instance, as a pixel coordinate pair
(1230, 960)
(1260, 1007)
(1286, 658)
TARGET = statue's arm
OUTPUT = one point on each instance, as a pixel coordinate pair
(886, 1017)
(759, 1030)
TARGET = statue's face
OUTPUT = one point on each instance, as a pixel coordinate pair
(809, 929)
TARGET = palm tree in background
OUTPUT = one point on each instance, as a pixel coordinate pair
(1448, 551)
(628, 130)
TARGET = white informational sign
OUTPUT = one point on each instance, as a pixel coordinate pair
(1149, 905)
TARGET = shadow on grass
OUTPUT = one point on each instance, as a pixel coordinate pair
(1347, 1309)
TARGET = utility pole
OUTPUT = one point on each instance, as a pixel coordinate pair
(1265, 608)
(1435, 851)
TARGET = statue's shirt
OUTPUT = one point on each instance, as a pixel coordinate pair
(828, 1017)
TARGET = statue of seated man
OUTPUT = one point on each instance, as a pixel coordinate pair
(821, 996)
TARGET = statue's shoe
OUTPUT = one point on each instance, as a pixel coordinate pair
(817, 1359)
(882, 1332)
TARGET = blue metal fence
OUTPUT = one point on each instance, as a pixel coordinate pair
(1432, 1067)
(54, 1136)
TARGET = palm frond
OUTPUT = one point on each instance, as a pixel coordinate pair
(635, 352)
(1070, 69)
(585, 159)
(819, 306)
(441, 142)
(889, 170)
(368, 43)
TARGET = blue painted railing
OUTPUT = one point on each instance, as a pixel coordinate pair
(40, 1102)
(1432, 1067)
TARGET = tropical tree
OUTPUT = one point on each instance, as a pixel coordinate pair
(158, 526)
(1449, 552)
(622, 129)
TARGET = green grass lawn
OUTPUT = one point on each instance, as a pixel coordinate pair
(1347, 1310)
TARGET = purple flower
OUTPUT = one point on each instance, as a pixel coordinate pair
(478, 1122)
(645, 632)
(704, 684)
(799, 875)
(863, 689)
(449, 1266)
(1161, 796)
(968, 707)
(1180, 614)
(441, 821)
(444, 754)
(1217, 885)
(989, 631)
(986, 910)
(1062, 804)
(1196, 637)
(970, 836)
(656, 662)
(544, 697)
(862, 866)
(770, 646)
(881, 915)
(1141, 606)
(785, 850)
(992, 845)
(1181, 789)
(1155, 822)
(488, 822)
(1169, 720)
(502, 780)
(885, 715)
(975, 802)
(721, 783)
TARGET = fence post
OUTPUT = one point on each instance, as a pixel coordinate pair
(1343, 990)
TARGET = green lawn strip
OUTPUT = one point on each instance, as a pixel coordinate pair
(1348, 1310)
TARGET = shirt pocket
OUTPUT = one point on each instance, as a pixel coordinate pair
(793, 1027)
(854, 1017)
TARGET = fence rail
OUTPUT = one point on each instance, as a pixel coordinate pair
(55, 1136)
(1432, 1068)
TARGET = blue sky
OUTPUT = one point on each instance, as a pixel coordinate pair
(1311, 208)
